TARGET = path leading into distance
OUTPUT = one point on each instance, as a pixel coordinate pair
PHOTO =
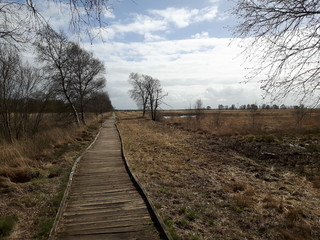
(103, 202)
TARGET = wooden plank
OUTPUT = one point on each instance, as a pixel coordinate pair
(103, 203)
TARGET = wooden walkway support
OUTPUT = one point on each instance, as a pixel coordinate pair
(102, 202)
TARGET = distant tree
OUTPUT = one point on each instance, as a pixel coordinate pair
(208, 108)
(242, 107)
(299, 114)
(275, 106)
(19, 84)
(9, 66)
(198, 104)
(254, 115)
(282, 106)
(99, 103)
(147, 93)
(155, 95)
(139, 92)
(220, 107)
(286, 41)
(253, 106)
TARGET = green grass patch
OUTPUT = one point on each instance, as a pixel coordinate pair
(182, 210)
(193, 237)
(312, 148)
(48, 214)
(192, 215)
(6, 225)
(169, 225)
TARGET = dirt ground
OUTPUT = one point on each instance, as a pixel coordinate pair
(208, 186)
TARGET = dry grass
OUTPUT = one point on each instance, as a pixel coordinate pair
(33, 172)
(231, 122)
(224, 187)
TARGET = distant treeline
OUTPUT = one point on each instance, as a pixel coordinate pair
(67, 79)
(97, 104)
(255, 106)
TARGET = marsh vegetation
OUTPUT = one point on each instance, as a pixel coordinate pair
(219, 177)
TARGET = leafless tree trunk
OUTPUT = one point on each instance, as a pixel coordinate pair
(147, 91)
(139, 93)
(155, 95)
(198, 106)
(9, 67)
(53, 50)
(18, 84)
(87, 75)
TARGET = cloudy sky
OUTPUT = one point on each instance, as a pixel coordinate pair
(186, 44)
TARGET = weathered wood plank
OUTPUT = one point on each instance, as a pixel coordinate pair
(103, 203)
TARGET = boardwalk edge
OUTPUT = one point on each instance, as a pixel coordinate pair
(152, 209)
(66, 192)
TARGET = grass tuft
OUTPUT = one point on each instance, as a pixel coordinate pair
(192, 215)
(6, 225)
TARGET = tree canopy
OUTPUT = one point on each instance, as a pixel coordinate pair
(20, 20)
(285, 45)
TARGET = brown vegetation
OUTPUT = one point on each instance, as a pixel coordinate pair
(232, 181)
(33, 173)
(232, 122)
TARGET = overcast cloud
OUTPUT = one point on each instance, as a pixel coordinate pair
(184, 45)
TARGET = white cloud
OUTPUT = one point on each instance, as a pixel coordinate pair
(207, 14)
(161, 21)
(148, 37)
(109, 14)
(200, 35)
(181, 17)
(188, 69)
(141, 25)
(223, 16)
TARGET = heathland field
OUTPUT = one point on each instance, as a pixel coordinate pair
(230, 174)
(34, 171)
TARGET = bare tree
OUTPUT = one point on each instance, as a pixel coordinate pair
(155, 95)
(198, 104)
(98, 103)
(20, 20)
(9, 67)
(53, 49)
(285, 38)
(139, 92)
(299, 114)
(86, 73)
(19, 83)
(147, 92)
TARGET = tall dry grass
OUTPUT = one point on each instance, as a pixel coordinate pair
(221, 122)
(20, 160)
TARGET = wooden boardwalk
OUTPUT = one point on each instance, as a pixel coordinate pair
(103, 202)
